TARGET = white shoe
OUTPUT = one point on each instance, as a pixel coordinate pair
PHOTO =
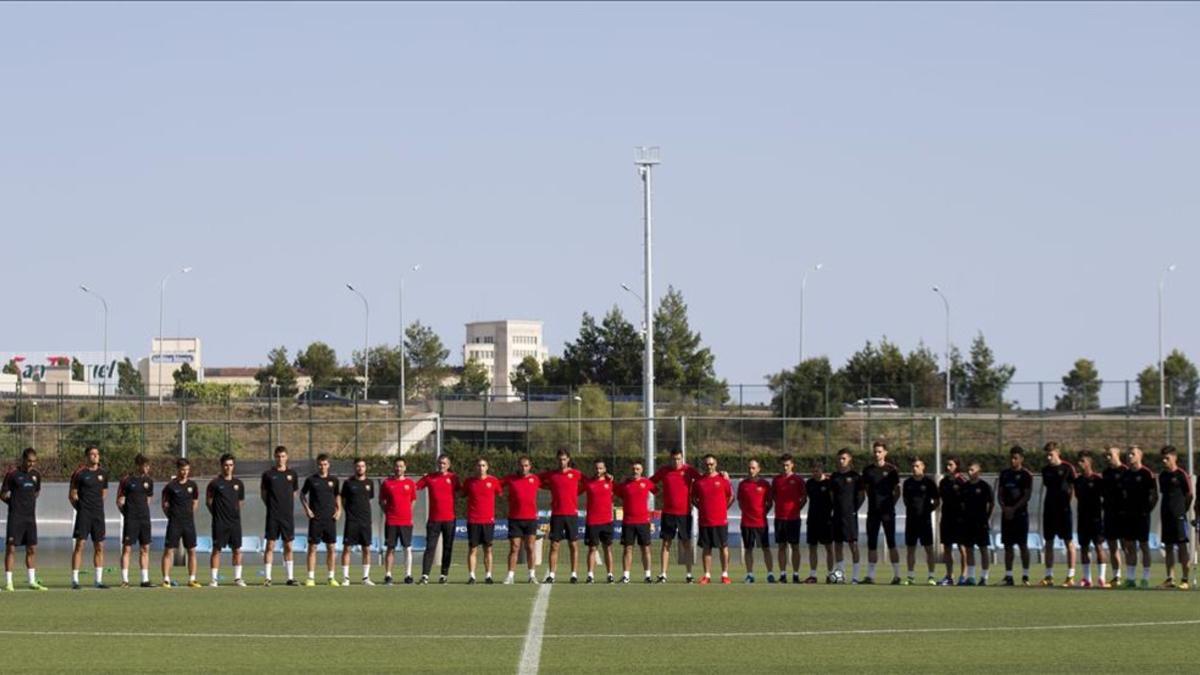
(345, 581)
(508, 581)
(239, 582)
(213, 584)
(367, 582)
(534, 581)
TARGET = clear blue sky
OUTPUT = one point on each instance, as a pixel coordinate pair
(1039, 161)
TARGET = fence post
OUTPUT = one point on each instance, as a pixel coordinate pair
(183, 437)
(486, 398)
(355, 421)
(1041, 415)
(937, 462)
(310, 424)
(438, 425)
(683, 436)
(1191, 445)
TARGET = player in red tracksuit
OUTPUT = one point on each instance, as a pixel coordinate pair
(754, 501)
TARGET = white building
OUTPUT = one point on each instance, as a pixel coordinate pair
(174, 353)
(500, 346)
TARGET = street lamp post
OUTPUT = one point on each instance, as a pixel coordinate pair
(803, 283)
(946, 303)
(1162, 375)
(646, 158)
(162, 295)
(85, 289)
(366, 339)
(403, 391)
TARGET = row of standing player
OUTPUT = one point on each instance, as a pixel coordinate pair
(966, 504)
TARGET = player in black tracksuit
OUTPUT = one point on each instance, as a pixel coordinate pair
(1014, 487)
(20, 491)
(1089, 500)
(133, 501)
(1058, 485)
(1111, 479)
(920, 503)
(978, 502)
(848, 493)
(950, 490)
(1175, 486)
(1139, 495)
(820, 520)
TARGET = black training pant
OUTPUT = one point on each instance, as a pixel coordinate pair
(435, 530)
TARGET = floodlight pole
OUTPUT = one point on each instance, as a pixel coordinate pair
(646, 158)
(366, 340)
(803, 284)
(162, 295)
(946, 303)
(85, 289)
(403, 391)
(1162, 375)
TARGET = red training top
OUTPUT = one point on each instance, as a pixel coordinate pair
(398, 495)
(789, 494)
(599, 500)
(564, 490)
(676, 485)
(635, 500)
(753, 497)
(481, 498)
(712, 495)
(522, 496)
(441, 487)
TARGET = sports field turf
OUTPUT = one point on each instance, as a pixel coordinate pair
(671, 628)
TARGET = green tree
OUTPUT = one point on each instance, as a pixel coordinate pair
(527, 375)
(986, 381)
(319, 361)
(1182, 383)
(207, 440)
(558, 373)
(278, 371)
(1081, 387)
(77, 373)
(11, 368)
(385, 371)
(806, 390)
(185, 376)
(474, 380)
(584, 358)
(926, 384)
(623, 346)
(877, 371)
(680, 362)
(427, 358)
(129, 379)
(116, 430)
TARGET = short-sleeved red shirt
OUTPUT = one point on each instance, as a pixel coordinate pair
(712, 500)
(441, 488)
(564, 491)
(635, 500)
(676, 487)
(522, 496)
(789, 493)
(752, 497)
(599, 493)
(398, 494)
(481, 498)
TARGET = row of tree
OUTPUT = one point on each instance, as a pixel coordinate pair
(610, 353)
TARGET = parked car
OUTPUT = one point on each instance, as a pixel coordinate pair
(874, 403)
(322, 397)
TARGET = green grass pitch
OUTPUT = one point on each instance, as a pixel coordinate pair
(651, 628)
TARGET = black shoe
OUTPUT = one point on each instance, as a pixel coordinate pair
(589, 580)
(387, 581)
(443, 580)
(470, 581)
(795, 577)
(610, 579)
(1008, 581)
(292, 582)
(408, 580)
(548, 580)
(146, 584)
(488, 581)
(625, 580)
(74, 585)
(574, 579)
(648, 580)
(870, 581)
(102, 587)
(689, 579)
(783, 578)
(662, 579)
(424, 580)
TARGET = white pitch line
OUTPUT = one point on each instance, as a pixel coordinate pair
(253, 636)
(883, 631)
(531, 652)
(583, 636)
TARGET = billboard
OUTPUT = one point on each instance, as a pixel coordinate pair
(96, 370)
